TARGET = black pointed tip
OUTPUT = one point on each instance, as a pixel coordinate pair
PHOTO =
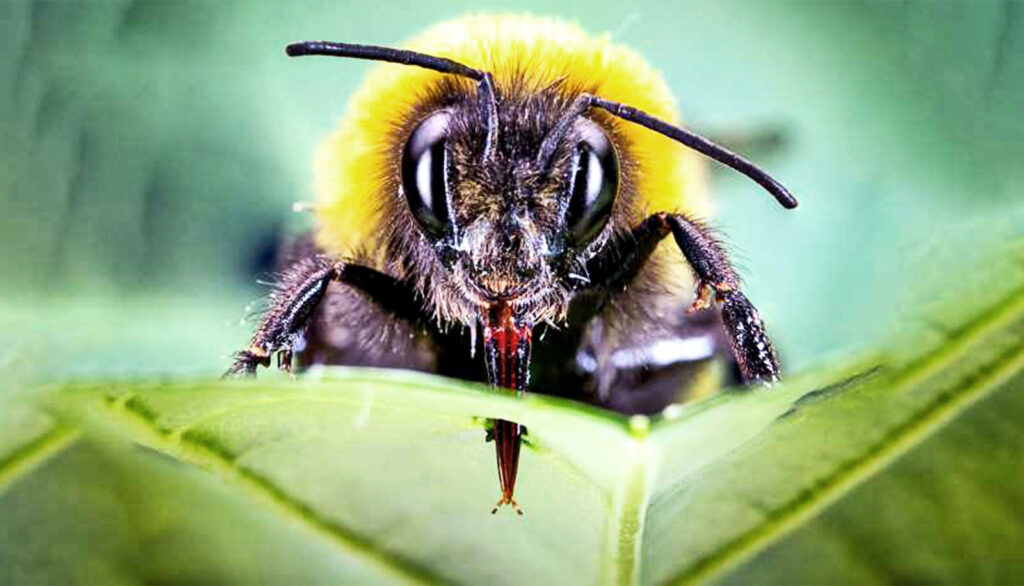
(297, 49)
(783, 196)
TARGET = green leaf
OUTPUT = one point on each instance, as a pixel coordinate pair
(903, 466)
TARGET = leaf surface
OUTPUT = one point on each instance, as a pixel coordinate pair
(381, 476)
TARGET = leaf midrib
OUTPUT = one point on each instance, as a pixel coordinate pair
(626, 538)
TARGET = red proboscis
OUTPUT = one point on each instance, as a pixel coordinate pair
(507, 346)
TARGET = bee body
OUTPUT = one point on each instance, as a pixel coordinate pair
(514, 187)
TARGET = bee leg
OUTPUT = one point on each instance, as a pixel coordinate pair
(298, 295)
(297, 298)
(716, 282)
(751, 345)
(245, 364)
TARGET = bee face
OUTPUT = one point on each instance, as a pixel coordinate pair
(505, 222)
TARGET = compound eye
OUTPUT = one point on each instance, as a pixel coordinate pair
(425, 173)
(594, 184)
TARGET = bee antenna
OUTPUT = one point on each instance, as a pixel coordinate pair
(693, 140)
(485, 84)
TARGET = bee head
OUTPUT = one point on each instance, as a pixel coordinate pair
(510, 214)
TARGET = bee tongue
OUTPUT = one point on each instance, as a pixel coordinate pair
(507, 353)
(507, 348)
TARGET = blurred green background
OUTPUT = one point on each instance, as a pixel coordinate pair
(151, 151)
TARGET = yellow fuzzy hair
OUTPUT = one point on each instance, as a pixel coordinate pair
(353, 164)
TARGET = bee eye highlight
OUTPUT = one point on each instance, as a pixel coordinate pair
(425, 173)
(593, 184)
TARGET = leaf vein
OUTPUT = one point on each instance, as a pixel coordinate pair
(188, 449)
(29, 456)
(900, 440)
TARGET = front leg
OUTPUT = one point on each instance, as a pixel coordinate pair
(620, 262)
(296, 299)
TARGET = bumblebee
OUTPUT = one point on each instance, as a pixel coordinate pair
(515, 179)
